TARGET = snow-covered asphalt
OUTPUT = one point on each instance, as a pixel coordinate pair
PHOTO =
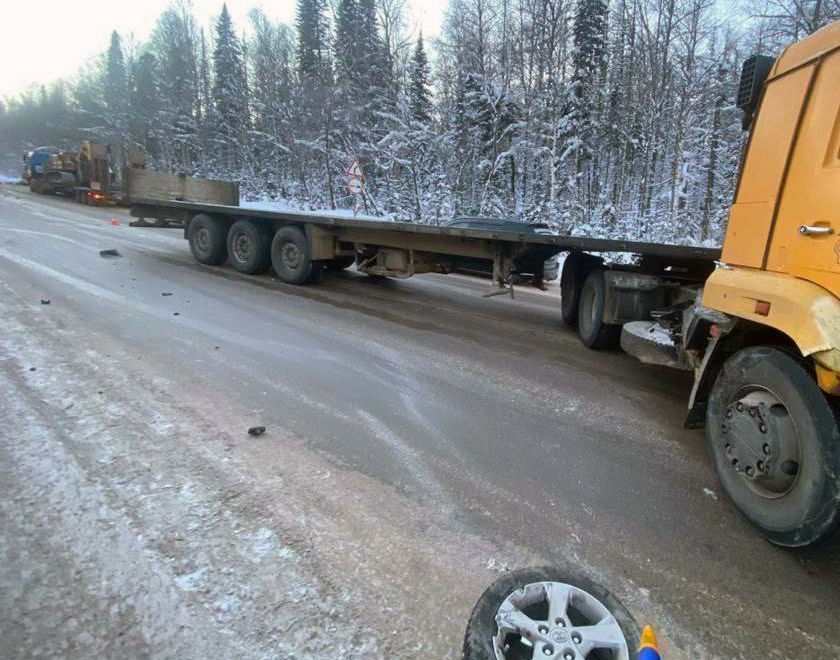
(420, 440)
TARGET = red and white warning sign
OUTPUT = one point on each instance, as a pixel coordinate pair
(355, 178)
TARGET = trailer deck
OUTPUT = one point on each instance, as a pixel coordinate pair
(179, 213)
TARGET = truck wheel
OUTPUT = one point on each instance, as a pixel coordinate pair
(594, 333)
(248, 247)
(290, 257)
(571, 281)
(775, 443)
(540, 612)
(339, 263)
(207, 240)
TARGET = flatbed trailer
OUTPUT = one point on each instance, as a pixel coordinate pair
(299, 245)
(179, 213)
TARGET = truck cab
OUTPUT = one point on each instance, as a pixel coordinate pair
(763, 333)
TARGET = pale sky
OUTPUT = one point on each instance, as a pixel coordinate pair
(43, 40)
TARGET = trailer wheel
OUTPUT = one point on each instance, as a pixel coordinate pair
(248, 247)
(207, 235)
(291, 259)
(339, 263)
(775, 442)
(593, 332)
(541, 612)
(571, 281)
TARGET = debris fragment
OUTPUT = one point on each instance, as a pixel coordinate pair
(176, 314)
(256, 430)
(114, 222)
(31, 368)
(166, 293)
(45, 301)
(708, 492)
(109, 253)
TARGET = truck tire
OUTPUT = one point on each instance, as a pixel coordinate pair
(593, 332)
(482, 627)
(774, 439)
(207, 236)
(291, 259)
(248, 247)
(575, 270)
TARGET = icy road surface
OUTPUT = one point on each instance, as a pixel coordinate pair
(420, 439)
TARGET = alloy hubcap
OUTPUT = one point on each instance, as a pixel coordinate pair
(556, 620)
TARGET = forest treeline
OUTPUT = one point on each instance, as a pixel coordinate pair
(610, 118)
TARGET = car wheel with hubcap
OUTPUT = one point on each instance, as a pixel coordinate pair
(775, 441)
(542, 613)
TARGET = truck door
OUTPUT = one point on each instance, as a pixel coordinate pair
(762, 175)
(805, 239)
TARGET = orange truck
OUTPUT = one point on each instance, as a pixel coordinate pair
(763, 335)
(758, 322)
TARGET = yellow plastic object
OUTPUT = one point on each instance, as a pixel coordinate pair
(805, 312)
(648, 639)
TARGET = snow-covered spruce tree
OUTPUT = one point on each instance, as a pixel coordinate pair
(175, 44)
(349, 91)
(229, 119)
(272, 78)
(419, 85)
(589, 63)
(316, 113)
(145, 106)
(410, 147)
(116, 97)
(346, 46)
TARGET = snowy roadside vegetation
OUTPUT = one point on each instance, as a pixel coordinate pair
(608, 118)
